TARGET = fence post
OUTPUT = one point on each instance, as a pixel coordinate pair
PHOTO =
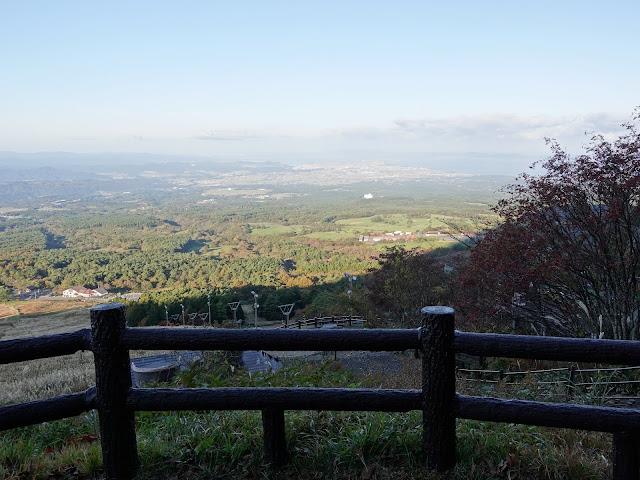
(626, 448)
(275, 441)
(113, 380)
(438, 388)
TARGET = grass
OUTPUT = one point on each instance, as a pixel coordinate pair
(349, 228)
(263, 229)
(46, 307)
(8, 312)
(45, 318)
(392, 222)
(229, 444)
(340, 445)
(337, 445)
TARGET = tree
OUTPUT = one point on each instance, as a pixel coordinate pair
(406, 281)
(5, 294)
(566, 257)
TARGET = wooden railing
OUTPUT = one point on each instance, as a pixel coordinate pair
(110, 340)
(610, 385)
(319, 322)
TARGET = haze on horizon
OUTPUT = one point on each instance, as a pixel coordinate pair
(424, 83)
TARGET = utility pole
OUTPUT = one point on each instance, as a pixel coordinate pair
(184, 323)
(255, 308)
(166, 314)
(209, 306)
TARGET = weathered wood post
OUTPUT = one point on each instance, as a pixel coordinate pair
(113, 380)
(438, 388)
(275, 441)
(626, 450)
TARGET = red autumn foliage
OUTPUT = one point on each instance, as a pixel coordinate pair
(566, 256)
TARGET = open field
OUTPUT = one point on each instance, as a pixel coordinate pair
(8, 311)
(44, 306)
(48, 377)
(262, 229)
(45, 318)
(352, 227)
(392, 222)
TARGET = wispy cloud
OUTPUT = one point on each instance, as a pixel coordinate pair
(224, 136)
(501, 126)
(489, 133)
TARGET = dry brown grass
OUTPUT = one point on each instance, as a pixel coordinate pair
(39, 307)
(48, 377)
(44, 306)
(40, 323)
(7, 311)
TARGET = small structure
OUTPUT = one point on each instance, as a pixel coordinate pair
(160, 368)
(82, 292)
(260, 361)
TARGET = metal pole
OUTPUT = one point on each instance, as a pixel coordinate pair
(255, 308)
(209, 306)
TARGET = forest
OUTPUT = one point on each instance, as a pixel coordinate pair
(176, 252)
(555, 253)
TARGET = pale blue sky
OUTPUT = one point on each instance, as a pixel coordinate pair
(335, 79)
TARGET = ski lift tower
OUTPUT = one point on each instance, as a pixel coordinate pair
(234, 308)
(255, 308)
(286, 311)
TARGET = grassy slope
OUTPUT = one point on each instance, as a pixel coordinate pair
(201, 445)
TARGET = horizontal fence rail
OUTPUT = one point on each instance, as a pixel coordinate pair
(22, 349)
(622, 352)
(116, 401)
(373, 340)
(543, 414)
(259, 398)
(39, 411)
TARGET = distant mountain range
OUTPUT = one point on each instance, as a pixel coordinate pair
(470, 163)
(58, 175)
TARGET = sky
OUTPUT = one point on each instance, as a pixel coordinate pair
(401, 81)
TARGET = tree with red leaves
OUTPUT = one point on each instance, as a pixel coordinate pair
(566, 257)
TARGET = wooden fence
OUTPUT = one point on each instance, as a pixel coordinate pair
(115, 400)
(606, 385)
(320, 322)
